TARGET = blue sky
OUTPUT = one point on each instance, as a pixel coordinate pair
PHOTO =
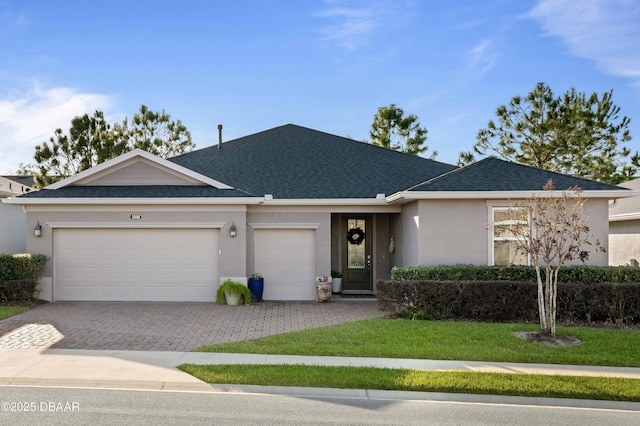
(328, 65)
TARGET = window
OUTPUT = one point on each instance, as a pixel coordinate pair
(505, 248)
(356, 246)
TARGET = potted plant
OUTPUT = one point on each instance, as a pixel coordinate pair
(233, 293)
(323, 289)
(256, 285)
(336, 278)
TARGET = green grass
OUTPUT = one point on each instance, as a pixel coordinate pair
(385, 338)
(616, 389)
(7, 311)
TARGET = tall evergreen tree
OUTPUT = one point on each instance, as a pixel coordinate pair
(92, 140)
(573, 134)
(391, 129)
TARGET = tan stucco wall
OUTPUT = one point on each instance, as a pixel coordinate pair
(599, 226)
(456, 231)
(624, 242)
(12, 229)
(453, 231)
(407, 230)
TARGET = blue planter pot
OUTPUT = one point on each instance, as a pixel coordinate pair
(256, 286)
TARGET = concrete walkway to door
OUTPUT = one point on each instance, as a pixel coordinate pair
(170, 326)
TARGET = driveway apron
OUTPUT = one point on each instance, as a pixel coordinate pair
(167, 326)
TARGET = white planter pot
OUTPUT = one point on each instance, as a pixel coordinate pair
(232, 299)
(336, 286)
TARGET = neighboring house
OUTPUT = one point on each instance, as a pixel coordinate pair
(291, 203)
(624, 228)
(13, 218)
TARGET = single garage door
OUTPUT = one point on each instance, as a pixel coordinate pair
(135, 264)
(287, 259)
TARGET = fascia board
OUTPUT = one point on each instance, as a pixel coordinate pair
(112, 201)
(325, 202)
(452, 195)
(623, 217)
(138, 153)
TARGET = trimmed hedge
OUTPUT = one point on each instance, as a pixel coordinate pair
(19, 274)
(509, 301)
(578, 274)
(19, 292)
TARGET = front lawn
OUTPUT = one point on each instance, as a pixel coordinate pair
(385, 338)
(604, 388)
(7, 311)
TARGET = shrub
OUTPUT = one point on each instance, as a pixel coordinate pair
(502, 301)
(579, 274)
(21, 292)
(19, 274)
(21, 266)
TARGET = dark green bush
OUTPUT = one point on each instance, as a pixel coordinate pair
(578, 274)
(19, 274)
(22, 292)
(509, 301)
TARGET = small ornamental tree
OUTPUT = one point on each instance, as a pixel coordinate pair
(552, 230)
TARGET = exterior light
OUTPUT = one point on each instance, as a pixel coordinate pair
(232, 230)
(37, 231)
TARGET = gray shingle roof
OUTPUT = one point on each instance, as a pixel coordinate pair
(492, 174)
(149, 191)
(296, 162)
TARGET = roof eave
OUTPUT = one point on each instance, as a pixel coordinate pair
(325, 202)
(121, 201)
(407, 196)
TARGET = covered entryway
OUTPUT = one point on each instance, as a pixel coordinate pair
(135, 264)
(286, 258)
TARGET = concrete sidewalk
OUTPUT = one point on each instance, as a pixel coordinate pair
(151, 370)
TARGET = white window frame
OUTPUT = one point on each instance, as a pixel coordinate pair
(493, 207)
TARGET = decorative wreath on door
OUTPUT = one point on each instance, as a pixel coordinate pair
(355, 236)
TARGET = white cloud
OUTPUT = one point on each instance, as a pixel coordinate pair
(605, 31)
(482, 57)
(350, 23)
(30, 118)
(353, 22)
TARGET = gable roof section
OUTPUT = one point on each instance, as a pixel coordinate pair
(15, 185)
(294, 162)
(126, 160)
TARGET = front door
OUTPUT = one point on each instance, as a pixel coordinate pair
(357, 261)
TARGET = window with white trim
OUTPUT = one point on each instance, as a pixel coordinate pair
(505, 247)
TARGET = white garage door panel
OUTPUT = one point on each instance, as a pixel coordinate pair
(136, 264)
(286, 258)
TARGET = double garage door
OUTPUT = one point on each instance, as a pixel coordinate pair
(136, 264)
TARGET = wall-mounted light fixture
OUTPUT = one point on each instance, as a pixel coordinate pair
(232, 230)
(37, 231)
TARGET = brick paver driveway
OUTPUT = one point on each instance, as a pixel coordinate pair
(175, 326)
